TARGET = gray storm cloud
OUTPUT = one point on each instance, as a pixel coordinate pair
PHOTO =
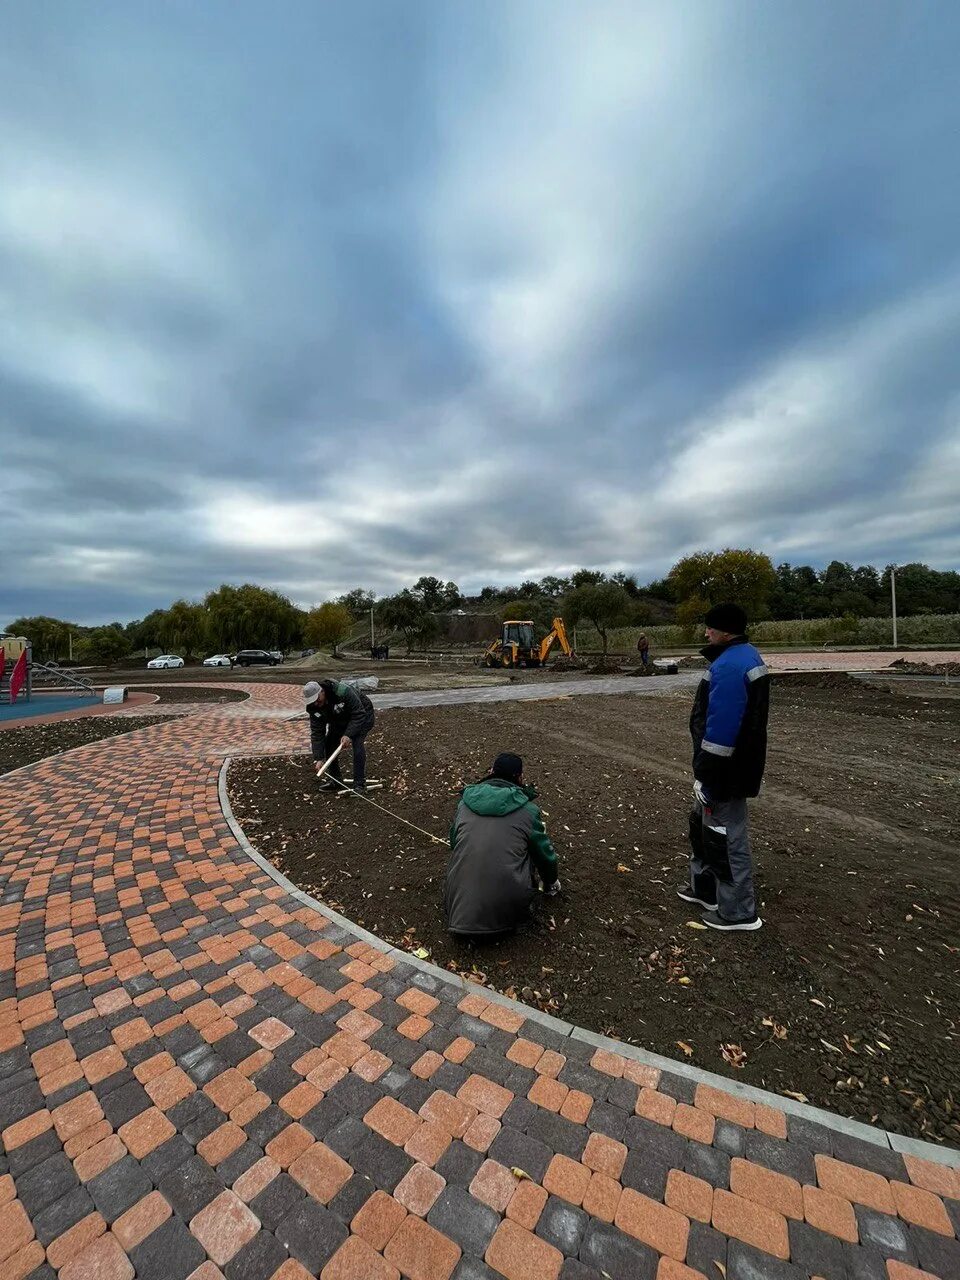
(326, 296)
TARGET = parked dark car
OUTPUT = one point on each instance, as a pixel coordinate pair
(255, 658)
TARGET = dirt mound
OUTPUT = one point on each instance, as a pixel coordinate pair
(816, 679)
(907, 667)
(691, 663)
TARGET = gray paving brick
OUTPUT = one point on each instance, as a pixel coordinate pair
(381, 1161)
(278, 1198)
(347, 1136)
(169, 1253)
(869, 1155)
(623, 1094)
(708, 1163)
(574, 1270)
(467, 1221)
(706, 1248)
(816, 1252)
(646, 1171)
(729, 1138)
(326, 1115)
(560, 1135)
(746, 1263)
(889, 1234)
(169, 1155)
(937, 1253)
(189, 1188)
(46, 1183)
(459, 1163)
(474, 1269)
(614, 1254)
(783, 1157)
(518, 1150)
(609, 1120)
(62, 1214)
(33, 1153)
(647, 1136)
(865, 1262)
(351, 1198)
(312, 1234)
(562, 1226)
(258, 1259)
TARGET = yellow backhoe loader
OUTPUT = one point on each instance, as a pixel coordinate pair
(516, 647)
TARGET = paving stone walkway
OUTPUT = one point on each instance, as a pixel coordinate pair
(202, 1077)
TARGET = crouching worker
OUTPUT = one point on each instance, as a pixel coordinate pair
(340, 715)
(499, 847)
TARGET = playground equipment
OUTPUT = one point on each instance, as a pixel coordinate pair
(20, 675)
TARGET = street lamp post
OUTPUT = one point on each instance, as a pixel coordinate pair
(893, 602)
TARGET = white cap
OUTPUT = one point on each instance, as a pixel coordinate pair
(310, 691)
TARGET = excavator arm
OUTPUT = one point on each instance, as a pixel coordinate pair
(558, 635)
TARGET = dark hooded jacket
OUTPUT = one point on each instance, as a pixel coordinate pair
(497, 841)
(728, 723)
(346, 711)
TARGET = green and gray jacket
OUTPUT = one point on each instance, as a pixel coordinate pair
(346, 712)
(497, 842)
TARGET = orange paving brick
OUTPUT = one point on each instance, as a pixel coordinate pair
(362, 1025)
(229, 1089)
(548, 1093)
(427, 1064)
(103, 1259)
(392, 1120)
(567, 1179)
(725, 1105)
(417, 1001)
(526, 1053)
(550, 1064)
(256, 1178)
(428, 1143)
(145, 1216)
(830, 1213)
(519, 1255)
(224, 1227)
(921, 1208)
(329, 1073)
(170, 1087)
(689, 1195)
(249, 1108)
(8, 1189)
(602, 1197)
(76, 1115)
(450, 1113)
(764, 1186)
(459, 1049)
(16, 1229)
(145, 1132)
(75, 1240)
(370, 1067)
(670, 1269)
(929, 1175)
(221, 1143)
(414, 1027)
(103, 1064)
(421, 1252)
(605, 1155)
(852, 1183)
(95, 1159)
(657, 1225)
(24, 1261)
(492, 1099)
(378, 1220)
(355, 1260)
(271, 1033)
(321, 1172)
(770, 1120)
(577, 1106)
(763, 1228)
(903, 1271)
(526, 1204)
(494, 1184)
(641, 1074)
(482, 1132)
(301, 1099)
(692, 1122)
(15, 1135)
(497, 1015)
(289, 1144)
(659, 1107)
(418, 1189)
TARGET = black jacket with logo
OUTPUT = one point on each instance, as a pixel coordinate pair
(346, 712)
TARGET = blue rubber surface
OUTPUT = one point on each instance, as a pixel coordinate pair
(48, 704)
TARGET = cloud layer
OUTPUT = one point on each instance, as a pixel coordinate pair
(339, 295)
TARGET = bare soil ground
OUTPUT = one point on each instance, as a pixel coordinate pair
(33, 742)
(849, 995)
(193, 693)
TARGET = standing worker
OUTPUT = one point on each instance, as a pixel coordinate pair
(499, 846)
(340, 715)
(728, 725)
(643, 648)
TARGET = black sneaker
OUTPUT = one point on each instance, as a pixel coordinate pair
(687, 894)
(359, 789)
(713, 920)
(328, 784)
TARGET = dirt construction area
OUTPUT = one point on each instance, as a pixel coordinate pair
(848, 998)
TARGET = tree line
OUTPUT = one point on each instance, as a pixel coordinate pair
(250, 616)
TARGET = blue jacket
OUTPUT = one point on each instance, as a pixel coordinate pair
(728, 723)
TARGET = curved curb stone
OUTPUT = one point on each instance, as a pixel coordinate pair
(804, 1111)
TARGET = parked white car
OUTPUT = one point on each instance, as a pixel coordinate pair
(218, 660)
(165, 660)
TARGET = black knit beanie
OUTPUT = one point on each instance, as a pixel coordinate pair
(507, 766)
(727, 617)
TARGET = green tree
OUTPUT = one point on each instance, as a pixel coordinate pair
(539, 609)
(183, 627)
(328, 625)
(437, 596)
(405, 613)
(50, 637)
(553, 586)
(588, 578)
(105, 644)
(744, 577)
(358, 601)
(251, 617)
(603, 604)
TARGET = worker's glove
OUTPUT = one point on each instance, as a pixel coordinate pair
(699, 794)
(553, 890)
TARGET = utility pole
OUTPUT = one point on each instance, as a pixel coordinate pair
(372, 641)
(70, 644)
(893, 602)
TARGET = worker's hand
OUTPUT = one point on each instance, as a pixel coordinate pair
(344, 741)
(553, 890)
(699, 794)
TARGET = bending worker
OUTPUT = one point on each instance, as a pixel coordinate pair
(729, 730)
(339, 715)
(499, 846)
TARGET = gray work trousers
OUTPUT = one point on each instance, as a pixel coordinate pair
(721, 868)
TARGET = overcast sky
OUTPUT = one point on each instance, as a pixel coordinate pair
(326, 295)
